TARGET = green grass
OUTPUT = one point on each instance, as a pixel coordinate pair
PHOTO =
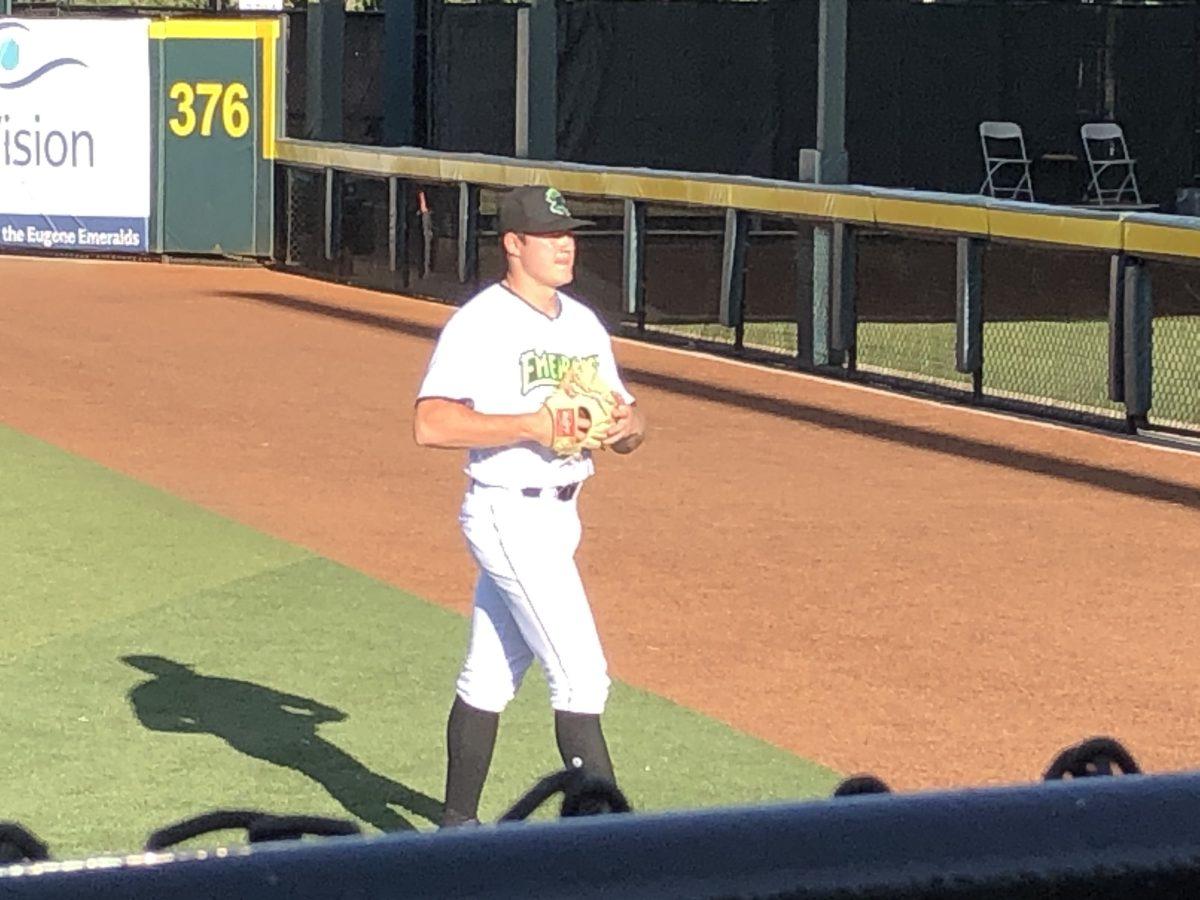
(1065, 363)
(159, 661)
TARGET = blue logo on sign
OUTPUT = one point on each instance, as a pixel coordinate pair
(10, 59)
(10, 54)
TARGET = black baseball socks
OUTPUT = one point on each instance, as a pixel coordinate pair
(581, 743)
(470, 741)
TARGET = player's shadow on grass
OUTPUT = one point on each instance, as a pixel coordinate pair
(275, 727)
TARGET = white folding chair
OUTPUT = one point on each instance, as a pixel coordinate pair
(1112, 179)
(1006, 163)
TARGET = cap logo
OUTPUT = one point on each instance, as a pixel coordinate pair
(555, 201)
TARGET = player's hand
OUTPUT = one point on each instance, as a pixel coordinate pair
(627, 428)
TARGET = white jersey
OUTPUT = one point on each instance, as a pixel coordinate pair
(502, 356)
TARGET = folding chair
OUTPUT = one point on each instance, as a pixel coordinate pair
(1005, 160)
(1109, 164)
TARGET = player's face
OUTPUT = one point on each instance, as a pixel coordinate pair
(548, 258)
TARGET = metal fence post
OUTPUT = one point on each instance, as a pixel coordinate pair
(1116, 327)
(804, 297)
(333, 214)
(824, 354)
(633, 262)
(398, 228)
(843, 333)
(968, 338)
(289, 207)
(468, 232)
(1138, 342)
(733, 275)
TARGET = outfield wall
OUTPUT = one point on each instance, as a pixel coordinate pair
(165, 139)
(134, 135)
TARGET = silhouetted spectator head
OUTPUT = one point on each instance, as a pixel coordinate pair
(861, 784)
(1095, 756)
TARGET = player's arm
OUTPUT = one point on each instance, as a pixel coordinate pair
(452, 424)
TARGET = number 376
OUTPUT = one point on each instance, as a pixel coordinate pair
(230, 98)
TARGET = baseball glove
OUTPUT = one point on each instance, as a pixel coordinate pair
(581, 400)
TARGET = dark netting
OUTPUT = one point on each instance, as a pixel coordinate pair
(731, 90)
(913, 106)
(734, 91)
(295, 75)
(1176, 343)
(906, 302)
(1045, 333)
(362, 71)
(1053, 82)
(304, 199)
(474, 71)
(919, 79)
(433, 243)
(1155, 61)
(683, 248)
(364, 257)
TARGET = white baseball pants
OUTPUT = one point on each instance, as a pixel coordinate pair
(529, 602)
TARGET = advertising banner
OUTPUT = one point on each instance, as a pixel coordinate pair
(75, 134)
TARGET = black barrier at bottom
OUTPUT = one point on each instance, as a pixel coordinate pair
(1132, 836)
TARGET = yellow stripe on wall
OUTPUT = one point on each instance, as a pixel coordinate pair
(1161, 240)
(1106, 231)
(269, 32)
(212, 29)
(932, 215)
(699, 191)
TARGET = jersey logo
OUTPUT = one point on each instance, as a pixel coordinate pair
(546, 369)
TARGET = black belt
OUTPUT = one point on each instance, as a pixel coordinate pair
(566, 492)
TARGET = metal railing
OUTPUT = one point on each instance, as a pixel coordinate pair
(1016, 305)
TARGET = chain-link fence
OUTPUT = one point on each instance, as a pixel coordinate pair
(1176, 345)
(303, 198)
(1045, 333)
(1046, 337)
(905, 294)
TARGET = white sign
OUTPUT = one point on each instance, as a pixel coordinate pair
(260, 5)
(75, 134)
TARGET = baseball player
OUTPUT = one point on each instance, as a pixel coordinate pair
(498, 361)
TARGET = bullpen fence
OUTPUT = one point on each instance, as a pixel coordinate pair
(1087, 315)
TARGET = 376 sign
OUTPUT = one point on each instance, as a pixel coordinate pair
(197, 104)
